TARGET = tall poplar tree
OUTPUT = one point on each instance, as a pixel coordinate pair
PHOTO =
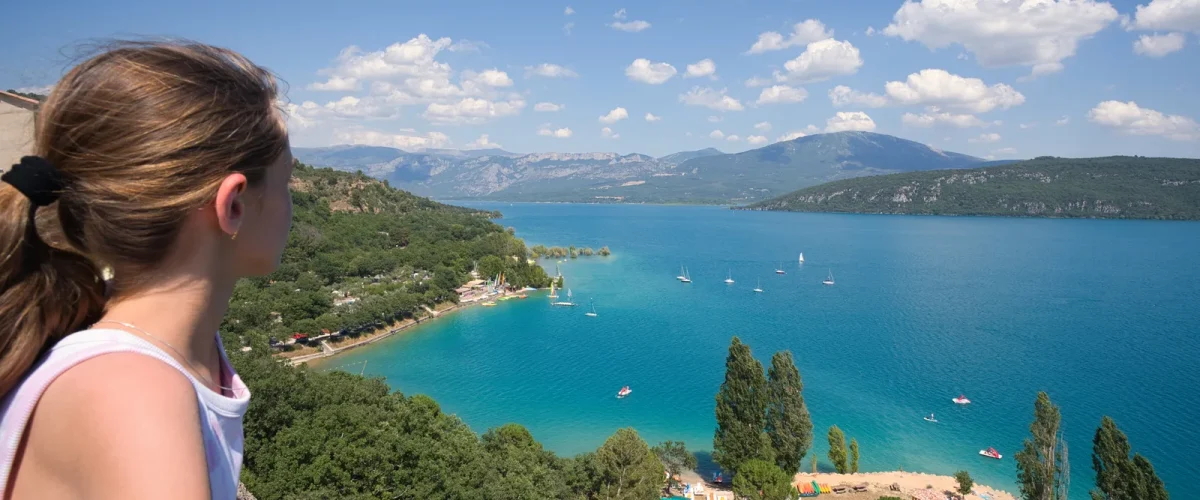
(788, 423)
(741, 411)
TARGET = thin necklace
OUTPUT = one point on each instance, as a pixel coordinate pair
(194, 370)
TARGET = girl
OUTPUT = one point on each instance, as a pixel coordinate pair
(166, 165)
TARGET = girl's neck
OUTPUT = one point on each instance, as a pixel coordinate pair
(183, 312)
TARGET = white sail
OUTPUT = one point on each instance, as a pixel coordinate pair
(801, 257)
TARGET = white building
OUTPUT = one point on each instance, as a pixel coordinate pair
(16, 128)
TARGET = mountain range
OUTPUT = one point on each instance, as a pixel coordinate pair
(704, 176)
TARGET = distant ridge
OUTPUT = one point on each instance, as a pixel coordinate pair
(1111, 187)
(702, 176)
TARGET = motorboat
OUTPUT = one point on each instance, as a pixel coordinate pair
(625, 391)
(991, 453)
(961, 400)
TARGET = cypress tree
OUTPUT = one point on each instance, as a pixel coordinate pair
(837, 450)
(788, 422)
(1041, 464)
(1117, 476)
(853, 456)
(741, 411)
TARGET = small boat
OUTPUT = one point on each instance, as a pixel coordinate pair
(930, 418)
(758, 289)
(682, 275)
(801, 257)
(961, 400)
(779, 270)
(592, 313)
(624, 392)
(729, 280)
(829, 280)
(991, 453)
(687, 278)
(565, 303)
(553, 294)
(489, 304)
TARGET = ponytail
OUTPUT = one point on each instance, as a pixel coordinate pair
(45, 292)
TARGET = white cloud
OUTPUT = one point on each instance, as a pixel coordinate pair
(796, 134)
(471, 111)
(491, 78)
(935, 117)
(642, 70)
(822, 60)
(359, 136)
(43, 90)
(803, 33)
(549, 71)
(632, 26)
(850, 120)
(1129, 118)
(703, 67)
(717, 134)
(1028, 125)
(568, 27)
(782, 94)
(608, 132)
(762, 126)
(756, 139)
(715, 119)
(845, 96)
(651, 117)
(568, 11)
(732, 138)
(1004, 151)
(336, 83)
(1159, 45)
(467, 46)
(1063, 121)
(548, 131)
(547, 107)
(937, 87)
(1035, 33)
(759, 82)
(614, 116)
(871, 31)
(482, 143)
(711, 99)
(1168, 15)
(990, 137)
(415, 57)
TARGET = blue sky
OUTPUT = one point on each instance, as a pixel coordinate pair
(991, 78)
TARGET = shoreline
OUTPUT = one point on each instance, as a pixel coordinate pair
(396, 329)
(918, 485)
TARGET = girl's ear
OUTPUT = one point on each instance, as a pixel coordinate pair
(231, 203)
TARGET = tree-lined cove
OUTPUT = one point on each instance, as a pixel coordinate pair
(874, 360)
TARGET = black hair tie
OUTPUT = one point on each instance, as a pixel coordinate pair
(37, 179)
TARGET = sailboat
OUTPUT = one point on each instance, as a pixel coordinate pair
(829, 280)
(687, 278)
(758, 289)
(682, 275)
(779, 270)
(593, 311)
(553, 294)
(801, 257)
(729, 280)
(567, 302)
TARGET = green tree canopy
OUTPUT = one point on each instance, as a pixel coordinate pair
(675, 457)
(1041, 463)
(837, 450)
(741, 411)
(965, 483)
(627, 469)
(759, 479)
(853, 456)
(788, 423)
(1119, 477)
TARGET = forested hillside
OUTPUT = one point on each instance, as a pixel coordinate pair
(320, 435)
(1112, 187)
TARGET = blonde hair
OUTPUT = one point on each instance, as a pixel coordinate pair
(142, 135)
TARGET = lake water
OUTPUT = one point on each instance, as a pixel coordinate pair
(1103, 315)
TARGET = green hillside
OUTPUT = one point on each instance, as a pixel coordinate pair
(1112, 187)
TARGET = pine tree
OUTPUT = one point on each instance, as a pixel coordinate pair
(741, 411)
(759, 479)
(627, 469)
(788, 422)
(965, 483)
(1117, 476)
(853, 456)
(837, 450)
(1042, 469)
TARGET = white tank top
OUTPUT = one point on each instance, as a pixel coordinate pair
(220, 416)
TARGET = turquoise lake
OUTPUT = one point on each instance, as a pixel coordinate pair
(1103, 315)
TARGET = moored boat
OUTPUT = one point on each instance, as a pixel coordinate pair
(624, 392)
(961, 400)
(991, 453)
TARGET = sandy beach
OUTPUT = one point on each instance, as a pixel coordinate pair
(912, 485)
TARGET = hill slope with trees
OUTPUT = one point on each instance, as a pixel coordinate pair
(1112, 187)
